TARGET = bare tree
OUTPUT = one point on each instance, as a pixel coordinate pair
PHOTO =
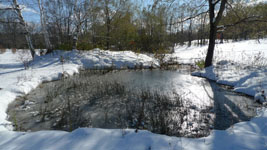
(60, 17)
(202, 29)
(112, 8)
(17, 9)
(81, 12)
(43, 20)
(214, 21)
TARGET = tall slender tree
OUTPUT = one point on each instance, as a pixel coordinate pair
(214, 21)
(17, 9)
(81, 12)
(43, 20)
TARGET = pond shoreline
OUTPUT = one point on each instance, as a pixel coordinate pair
(107, 71)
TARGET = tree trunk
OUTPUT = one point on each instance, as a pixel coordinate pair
(23, 23)
(190, 34)
(108, 24)
(75, 37)
(221, 37)
(202, 34)
(44, 27)
(108, 35)
(212, 37)
(214, 21)
(182, 30)
(78, 22)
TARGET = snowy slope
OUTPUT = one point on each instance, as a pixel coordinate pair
(240, 52)
(242, 65)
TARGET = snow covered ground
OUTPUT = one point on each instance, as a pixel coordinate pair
(16, 81)
(242, 65)
(247, 52)
(246, 135)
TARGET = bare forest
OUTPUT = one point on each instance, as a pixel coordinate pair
(142, 26)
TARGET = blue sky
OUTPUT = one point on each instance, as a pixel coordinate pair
(31, 17)
(31, 14)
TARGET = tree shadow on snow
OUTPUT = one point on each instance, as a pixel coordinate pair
(13, 71)
(228, 109)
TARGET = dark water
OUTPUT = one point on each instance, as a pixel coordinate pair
(41, 110)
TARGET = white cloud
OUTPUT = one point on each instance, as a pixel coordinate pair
(23, 7)
(27, 9)
(4, 6)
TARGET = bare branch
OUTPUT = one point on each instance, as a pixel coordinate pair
(249, 19)
(189, 18)
(233, 9)
(219, 15)
(7, 8)
(7, 22)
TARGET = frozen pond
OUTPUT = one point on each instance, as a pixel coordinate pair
(167, 102)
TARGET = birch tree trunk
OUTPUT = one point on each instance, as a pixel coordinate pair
(190, 33)
(75, 37)
(108, 24)
(77, 22)
(182, 29)
(23, 23)
(43, 20)
(81, 10)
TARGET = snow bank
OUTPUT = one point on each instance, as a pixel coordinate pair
(247, 81)
(245, 135)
